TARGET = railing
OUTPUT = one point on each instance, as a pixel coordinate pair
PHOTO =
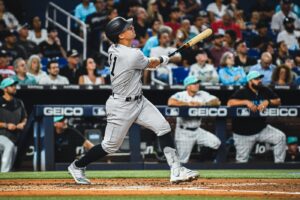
(51, 16)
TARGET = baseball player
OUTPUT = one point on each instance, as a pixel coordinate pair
(127, 105)
(188, 131)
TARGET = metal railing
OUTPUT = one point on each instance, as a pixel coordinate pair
(51, 16)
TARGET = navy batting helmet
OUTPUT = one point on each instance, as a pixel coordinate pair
(117, 26)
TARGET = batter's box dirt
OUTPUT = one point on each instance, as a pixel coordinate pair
(267, 188)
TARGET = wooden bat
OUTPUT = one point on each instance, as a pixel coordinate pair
(201, 36)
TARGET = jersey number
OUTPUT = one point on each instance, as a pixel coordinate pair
(114, 65)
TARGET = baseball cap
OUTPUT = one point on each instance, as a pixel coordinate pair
(58, 118)
(288, 20)
(23, 26)
(9, 33)
(253, 75)
(3, 53)
(292, 140)
(190, 80)
(72, 53)
(7, 82)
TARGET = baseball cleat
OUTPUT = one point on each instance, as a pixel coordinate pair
(183, 174)
(78, 174)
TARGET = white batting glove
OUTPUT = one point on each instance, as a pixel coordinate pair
(164, 60)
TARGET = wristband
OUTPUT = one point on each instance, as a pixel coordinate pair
(269, 101)
(161, 60)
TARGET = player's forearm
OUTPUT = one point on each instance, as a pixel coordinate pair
(275, 102)
(153, 62)
(237, 102)
(174, 102)
(214, 102)
(3, 125)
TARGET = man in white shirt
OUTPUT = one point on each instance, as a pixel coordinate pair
(188, 131)
(203, 71)
(53, 77)
(277, 19)
(289, 35)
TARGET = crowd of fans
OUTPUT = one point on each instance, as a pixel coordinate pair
(265, 39)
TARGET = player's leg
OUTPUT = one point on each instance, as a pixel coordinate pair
(184, 142)
(277, 138)
(243, 146)
(207, 139)
(8, 154)
(151, 118)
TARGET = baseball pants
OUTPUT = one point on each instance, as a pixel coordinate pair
(122, 114)
(186, 139)
(245, 143)
(8, 149)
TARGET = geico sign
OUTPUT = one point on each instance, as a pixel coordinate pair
(282, 112)
(66, 111)
(212, 112)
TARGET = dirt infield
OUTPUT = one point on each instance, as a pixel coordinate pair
(265, 188)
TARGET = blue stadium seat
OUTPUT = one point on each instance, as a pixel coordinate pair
(179, 74)
(255, 53)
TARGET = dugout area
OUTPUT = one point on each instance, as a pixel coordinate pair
(153, 184)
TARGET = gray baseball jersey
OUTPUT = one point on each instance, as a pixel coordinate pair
(126, 65)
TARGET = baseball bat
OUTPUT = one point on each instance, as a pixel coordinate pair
(201, 36)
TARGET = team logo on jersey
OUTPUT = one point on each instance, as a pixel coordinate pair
(172, 112)
(243, 112)
(98, 111)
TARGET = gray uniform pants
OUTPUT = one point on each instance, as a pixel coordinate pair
(8, 149)
(186, 139)
(244, 144)
(122, 114)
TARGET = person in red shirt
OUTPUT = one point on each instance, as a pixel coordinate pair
(227, 23)
(174, 18)
(5, 69)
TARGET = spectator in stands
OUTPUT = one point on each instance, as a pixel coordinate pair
(71, 70)
(230, 39)
(51, 48)
(29, 46)
(165, 8)
(230, 74)
(13, 118)
(227, 23)
(89, 75)
(21, 73)
(293, 154)
(262, 37)
(278, 18)
(173, 21)
(53, 77)
(188, 131)
(254, 20)
(296, 69)
(37, 34)
(265, 67)
(249, 130)
(191, 8)
(282, 75)
(184, 33)
(6, 70)
(84, 9)
(295, 8)
(164, 48)
(153, 28)
(264, 8)
(199, 24)
(216, 10)
(69, 142)
(10, 45)
(289, 35)
(10, 20)
(204, 72)
(242, 59)
(282, 53)
(217, 50)
(34, 68)
(289, 62)
(141, 26)
(153, 11)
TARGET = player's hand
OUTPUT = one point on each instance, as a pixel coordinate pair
(263, 106)
(20, 126)
(251, 106)
(11, 127)
(164, 60)
(194, 103)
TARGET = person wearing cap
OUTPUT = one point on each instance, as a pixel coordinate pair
(13, 118)
(289, 35)
(6, 70)
(69, 142)
(249, 130)
(278, 18)
(52, 48)
(204, 71)
(265, 67)
(21, 73)
(29, 46)
(293, 153)
(10, 45)
(188, 131)
(71, 70)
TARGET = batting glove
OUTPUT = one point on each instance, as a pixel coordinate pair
(164, 60)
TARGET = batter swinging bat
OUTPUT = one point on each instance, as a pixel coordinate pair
(193, 41)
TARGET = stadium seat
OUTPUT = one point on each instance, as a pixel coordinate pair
(255, 53)
(179, 74)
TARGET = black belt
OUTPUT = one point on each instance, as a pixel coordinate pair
(130, 98)
(189, 129)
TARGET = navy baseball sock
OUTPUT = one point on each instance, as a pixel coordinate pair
(92, 155)
(166, 140)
